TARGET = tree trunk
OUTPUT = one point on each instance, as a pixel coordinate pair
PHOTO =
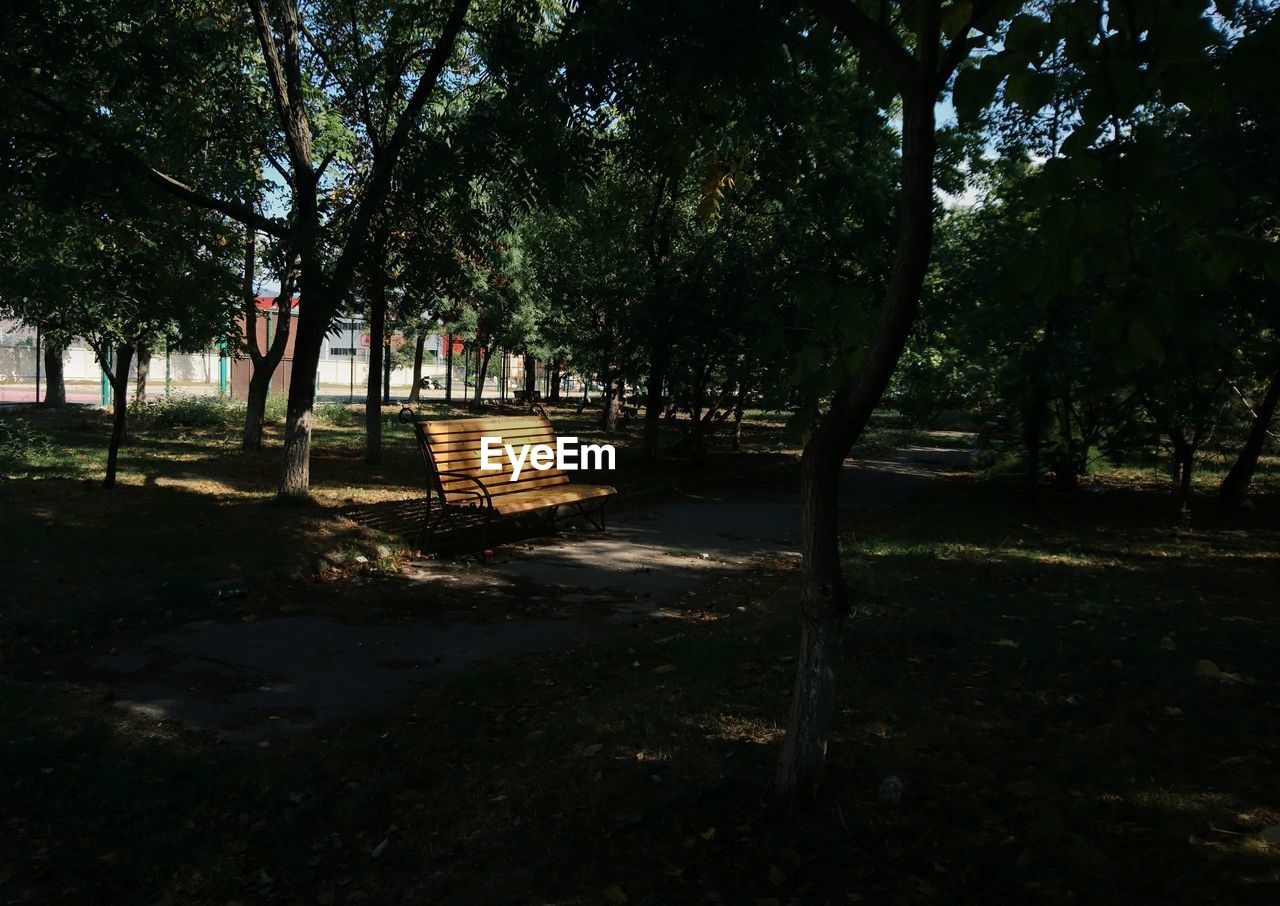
(1235, 486)
(143, 370)
(1033, 436)
(739, 405)
(55, 391)
(419, 348)
(119, 378)
(1184, 485)
(484, 356)
(823, 606)
(530, 377)
(373, 389)
(553, 384)
(263, 365)
(1184, 454)
(609, 403)
(653, 402)
(697, 424)
(824, 603)
(255, 408)
(313, 322)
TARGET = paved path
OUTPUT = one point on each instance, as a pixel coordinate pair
(287, 675)
(650, 559)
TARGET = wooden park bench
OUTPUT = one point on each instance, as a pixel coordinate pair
(460, 493)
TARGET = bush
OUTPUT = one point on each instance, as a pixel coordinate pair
(186, 412)
(338, 415)
(20, 442)
(277, 408)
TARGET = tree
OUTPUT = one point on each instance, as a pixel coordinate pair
(331, 212)
(915, 51)
(121, 277)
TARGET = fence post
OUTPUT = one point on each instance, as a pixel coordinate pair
(39, 350)
(448, 367)
(106, 384)
(386, 370)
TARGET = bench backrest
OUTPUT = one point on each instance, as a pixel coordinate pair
(453, 448)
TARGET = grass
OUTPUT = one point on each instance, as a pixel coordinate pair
(1035, 685)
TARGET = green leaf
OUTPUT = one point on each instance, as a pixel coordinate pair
(955, 18)
(975, 88)
(1030, 90)
(1144, 341)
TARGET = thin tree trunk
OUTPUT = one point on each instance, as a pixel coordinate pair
(1184, 485)
(373, 388)
(824, 602)
(55, 392)
(263, 365)
(1184, 454)
(419, 348)
(119, 378)
(739, 405)
(653, 401)
(255, 408)
(1235, 486)
(142, 372)
(484, 356)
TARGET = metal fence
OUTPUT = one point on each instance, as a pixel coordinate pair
(342, 374)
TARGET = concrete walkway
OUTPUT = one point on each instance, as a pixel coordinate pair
(650, 559)
(252, 681)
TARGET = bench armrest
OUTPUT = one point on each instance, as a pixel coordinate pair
(482, 494)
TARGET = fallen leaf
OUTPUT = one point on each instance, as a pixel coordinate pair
(614, 894)
(1006, 643)
(665, 668)
(709, 833)
(1168, 644)
(777, 877)
(594, 749)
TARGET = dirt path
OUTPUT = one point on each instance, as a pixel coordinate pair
(252, 681)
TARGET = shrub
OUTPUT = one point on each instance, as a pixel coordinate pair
(277, 408)
(339, 415)
(186, 412)
(20, 442)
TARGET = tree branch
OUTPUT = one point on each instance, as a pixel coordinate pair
(236, 211)
(292, 113)
(960, 47)
(871, 37)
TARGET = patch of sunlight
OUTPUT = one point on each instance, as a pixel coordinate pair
(735, 728)
(1182, 803)
(1053, 558)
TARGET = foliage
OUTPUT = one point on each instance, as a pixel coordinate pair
(20, 442)
(185, 412)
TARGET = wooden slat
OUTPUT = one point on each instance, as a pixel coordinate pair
(525, 503)
(467, 426)
(457, 452)
(501, 484)
(473, 438)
